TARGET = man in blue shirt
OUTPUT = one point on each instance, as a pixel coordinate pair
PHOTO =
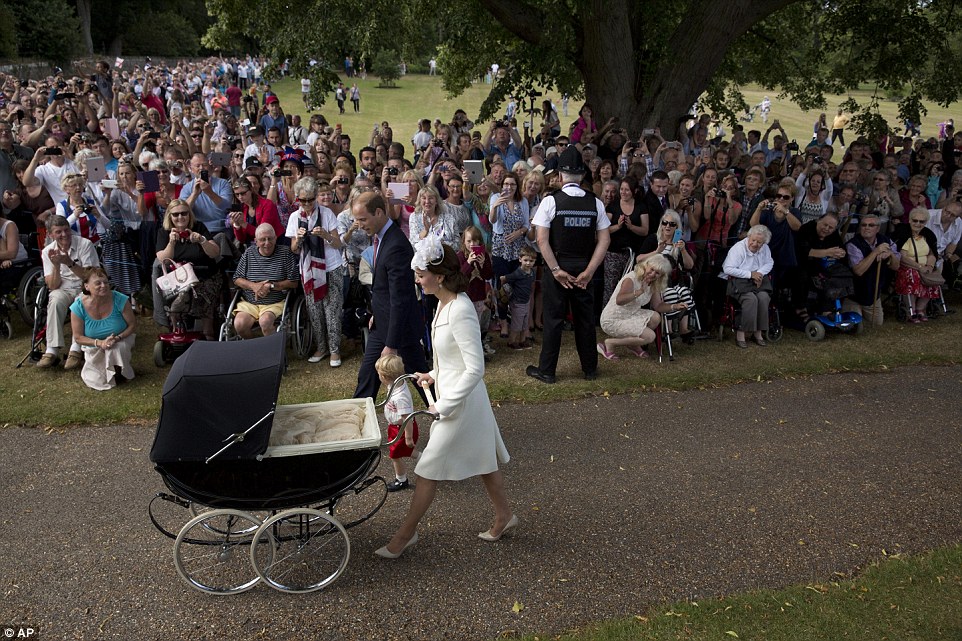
(503, 140)
(274, 117)
(209, 199)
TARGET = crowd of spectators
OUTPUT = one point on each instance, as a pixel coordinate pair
(114, 151)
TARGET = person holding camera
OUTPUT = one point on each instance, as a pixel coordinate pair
(250, 212)
(184, 239)
(283, 179)
(11, 152)
(208, 196)
(313, 230)
(503, 140)
(55, 165)
(80, 210)
(815, 190)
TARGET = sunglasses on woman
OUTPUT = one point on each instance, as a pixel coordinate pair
(668, 223)
(783, 197)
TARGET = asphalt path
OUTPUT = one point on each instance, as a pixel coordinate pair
(624, 501)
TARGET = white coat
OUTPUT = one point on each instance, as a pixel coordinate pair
(465, 440)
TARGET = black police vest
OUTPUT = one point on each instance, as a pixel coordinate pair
(865, 284)
(572, 233)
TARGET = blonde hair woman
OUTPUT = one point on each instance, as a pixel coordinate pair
(625, 319)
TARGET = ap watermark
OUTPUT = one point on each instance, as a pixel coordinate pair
(20, 632)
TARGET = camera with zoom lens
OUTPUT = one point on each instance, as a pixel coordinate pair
(793, 146)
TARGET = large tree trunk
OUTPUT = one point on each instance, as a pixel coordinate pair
(617, 84)
(116, 45)
(83, 12)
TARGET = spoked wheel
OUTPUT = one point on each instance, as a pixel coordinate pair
(31, 283)
(301, 333)
(212, 552)
(312, 550)
(814, 330)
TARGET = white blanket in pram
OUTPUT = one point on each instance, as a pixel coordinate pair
(316, 424)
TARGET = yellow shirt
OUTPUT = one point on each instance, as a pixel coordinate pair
(921, 247)
(840, 122)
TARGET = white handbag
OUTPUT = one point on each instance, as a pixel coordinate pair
(178, 280)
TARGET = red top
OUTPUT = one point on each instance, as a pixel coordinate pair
(264, 212)
(233, 96)
(150, 202)
(150, 100)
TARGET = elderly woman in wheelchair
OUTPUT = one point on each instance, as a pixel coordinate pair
(747, 266)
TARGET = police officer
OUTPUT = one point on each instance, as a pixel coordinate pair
(573, 237)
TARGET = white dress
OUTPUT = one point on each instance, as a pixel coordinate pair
(624, 321)
(465, 441)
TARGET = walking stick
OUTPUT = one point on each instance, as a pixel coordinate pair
(878, 275)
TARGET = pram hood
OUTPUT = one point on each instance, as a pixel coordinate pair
(215, 390)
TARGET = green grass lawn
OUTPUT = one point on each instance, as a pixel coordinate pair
(56, 398)
(901, 599)
(420, 96)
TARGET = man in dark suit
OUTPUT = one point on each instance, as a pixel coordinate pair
(397, 325)
(655, 201)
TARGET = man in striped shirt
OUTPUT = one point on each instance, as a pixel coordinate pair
(265, 272)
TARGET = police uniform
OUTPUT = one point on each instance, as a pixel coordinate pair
(573, 218)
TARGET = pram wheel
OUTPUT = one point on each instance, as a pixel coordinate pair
(775, 333)
(211, 552)
(312, 550)
(814, 330)
(6, 329)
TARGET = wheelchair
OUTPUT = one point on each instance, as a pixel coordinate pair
(22, 297)
(671, 321)
(731, 318)
(294, 321)
(833, 284)
(34, 286)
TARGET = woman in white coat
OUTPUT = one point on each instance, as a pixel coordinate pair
(465, 440)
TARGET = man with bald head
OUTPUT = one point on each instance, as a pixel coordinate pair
(265, 272)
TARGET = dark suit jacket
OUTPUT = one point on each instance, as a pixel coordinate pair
(397, 316)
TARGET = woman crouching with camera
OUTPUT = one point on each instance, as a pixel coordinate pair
(184, 239)
(103, 324)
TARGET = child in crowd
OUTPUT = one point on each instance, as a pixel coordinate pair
(398, 406)
(476, 263)
(522, 284)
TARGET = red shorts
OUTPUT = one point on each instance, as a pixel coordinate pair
(400, 449)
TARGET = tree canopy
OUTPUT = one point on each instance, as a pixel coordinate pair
(646, 62)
